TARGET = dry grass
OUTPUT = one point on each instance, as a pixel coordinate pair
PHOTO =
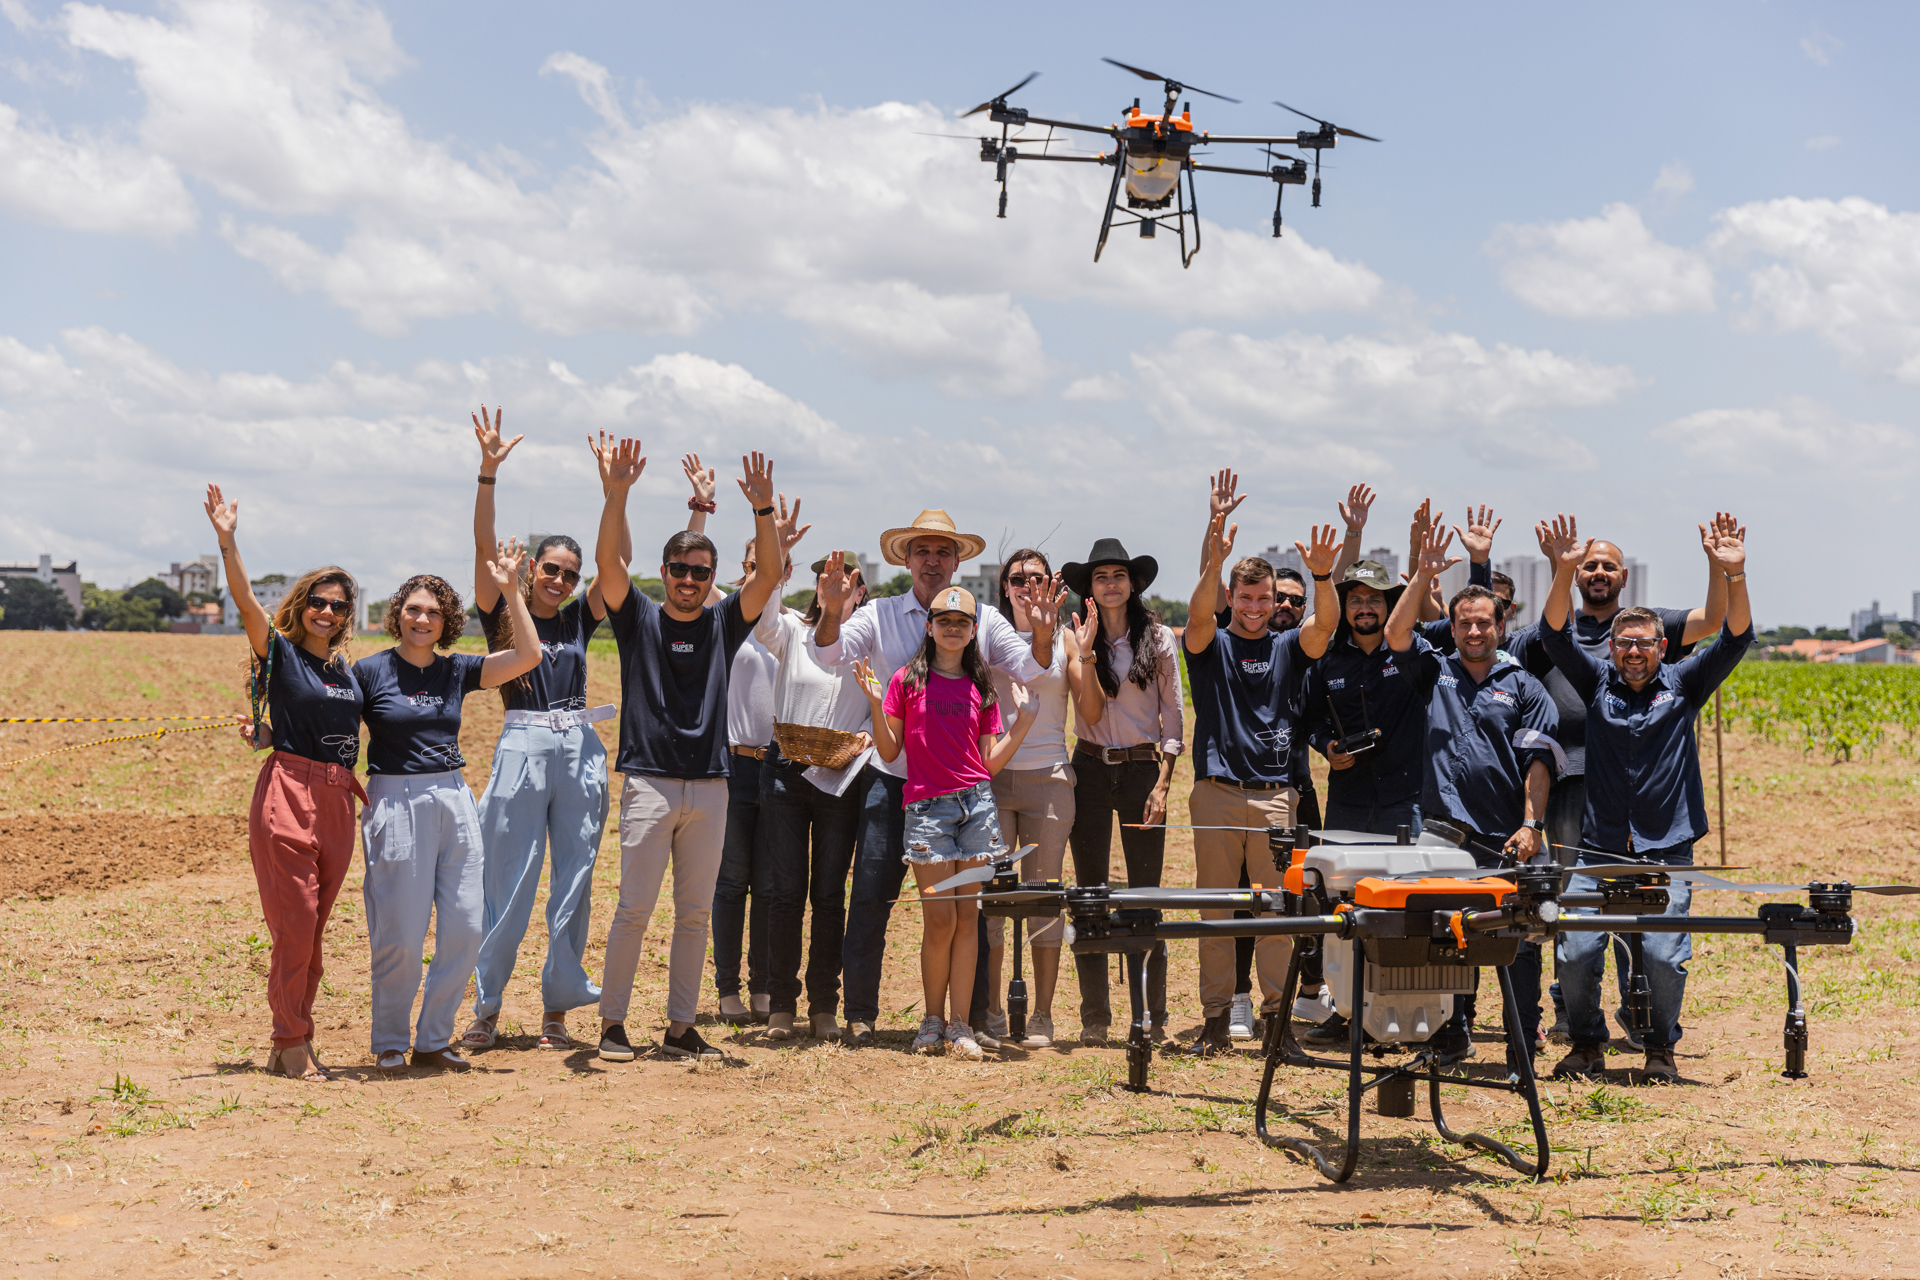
(138, 1132)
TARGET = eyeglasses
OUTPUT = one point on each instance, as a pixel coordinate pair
(338, 608)
(1025, 579)
(548, 569)
(1285, 597)
(681, 569)
(1630, 643)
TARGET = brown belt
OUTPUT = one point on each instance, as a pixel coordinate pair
(751, 753)
(1249, 786)
(1119, 755)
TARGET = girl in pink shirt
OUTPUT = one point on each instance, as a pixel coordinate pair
(940, 709)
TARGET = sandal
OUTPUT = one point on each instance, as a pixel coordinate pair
(482, 1034)
(313, 1055)
(553, 1035)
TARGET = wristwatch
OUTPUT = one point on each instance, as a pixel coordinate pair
(1535, 824)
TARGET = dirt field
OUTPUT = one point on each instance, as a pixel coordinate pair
(138, 1133)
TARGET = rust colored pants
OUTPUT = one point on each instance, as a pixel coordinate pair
(300, 833)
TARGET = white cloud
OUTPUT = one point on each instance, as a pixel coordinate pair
(970, 345)
(1675, 180)
(1820, 47)
(1610, 267)
(88, 183)
(1846, 270)
(1797, 438)
(1824, 142)
(1098, 388)
(1304, 395)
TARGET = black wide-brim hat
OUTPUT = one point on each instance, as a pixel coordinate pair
(1141, 570)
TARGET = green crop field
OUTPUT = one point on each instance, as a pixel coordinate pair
(1838, 711)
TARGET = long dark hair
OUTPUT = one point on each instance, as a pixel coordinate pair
(499, 628)
(972, 666)
(1146, 657)
(1006, 567)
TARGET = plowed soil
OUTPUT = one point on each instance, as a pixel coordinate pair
(138, 1133)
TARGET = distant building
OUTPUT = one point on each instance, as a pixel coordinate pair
(1531, 579)
(202, 575)
(873, 572)
(1634, 596)
(269, 594)
(983, 582)
(1387, 557)
(64, 576)
(1865, 651)
(1864, 618)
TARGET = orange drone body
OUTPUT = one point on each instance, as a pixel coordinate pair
(1395, 894)
(1139, 119)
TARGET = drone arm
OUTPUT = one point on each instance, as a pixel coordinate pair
(1041, 155)
(1106, 129)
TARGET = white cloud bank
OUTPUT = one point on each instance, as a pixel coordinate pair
(1605, 268)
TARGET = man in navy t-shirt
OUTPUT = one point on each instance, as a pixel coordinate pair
(675, 660)
(1643, 796)
(1246, 682)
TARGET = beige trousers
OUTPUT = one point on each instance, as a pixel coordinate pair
(1218, 857)
(1035, 807)
(665, 820)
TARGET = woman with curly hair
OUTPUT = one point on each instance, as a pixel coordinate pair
(421, 833)
(300, 825)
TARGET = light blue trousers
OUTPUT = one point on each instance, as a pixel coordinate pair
(548, 792)
(421, 838)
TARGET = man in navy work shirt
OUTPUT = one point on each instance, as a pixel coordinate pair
(1489, 752)
(1644, 796)
(1246, 683)
(675, 659)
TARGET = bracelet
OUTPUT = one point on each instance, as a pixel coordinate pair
(1089, 657)
(694, 504)
(1323, 577)
(1736, 577)
(489, 480)
(762, 511)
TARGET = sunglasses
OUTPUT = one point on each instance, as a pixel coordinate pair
(1298, 602)
(338, 608)
(1026, 579)
(1647, 643)
(548, 569)
(681, 569)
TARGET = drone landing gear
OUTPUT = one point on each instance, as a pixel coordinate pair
(1393, 1086)
(1016, 992)
(1796, 1030)
(1140, 1033)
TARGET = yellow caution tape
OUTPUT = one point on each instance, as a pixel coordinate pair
(232, 722)
(103, 719)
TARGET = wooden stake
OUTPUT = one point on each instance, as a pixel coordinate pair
(1720, 777)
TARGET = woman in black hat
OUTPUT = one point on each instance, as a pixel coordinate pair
(1124, 669)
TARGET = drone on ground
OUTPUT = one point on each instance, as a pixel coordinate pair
(1404, 926)
(1150, 153)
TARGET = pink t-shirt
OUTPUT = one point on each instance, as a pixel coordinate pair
(942, 727)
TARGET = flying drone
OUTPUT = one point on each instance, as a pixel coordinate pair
(1151, 153)
(1404, 926)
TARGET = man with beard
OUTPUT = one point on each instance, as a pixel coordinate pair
(1489, 744)
(1601, 577)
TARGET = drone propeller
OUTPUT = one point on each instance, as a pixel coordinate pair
(980, 874)
(1326, 124)
(1000, 98)
(1702, 880)
(1175, 87)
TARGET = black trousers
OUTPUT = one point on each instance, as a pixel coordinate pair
(1101, 793)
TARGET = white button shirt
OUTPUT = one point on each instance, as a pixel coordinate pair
(887, 632)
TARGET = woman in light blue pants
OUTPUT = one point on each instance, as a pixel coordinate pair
(546, 801)
(420, 832)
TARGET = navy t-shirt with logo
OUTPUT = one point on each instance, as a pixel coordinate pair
(559, 683)
(413, 713)
(673, 686)
(1246, 704)
(315, 705)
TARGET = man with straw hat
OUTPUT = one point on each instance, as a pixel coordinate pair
(887, 632)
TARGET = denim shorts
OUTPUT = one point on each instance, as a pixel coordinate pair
(956, 827)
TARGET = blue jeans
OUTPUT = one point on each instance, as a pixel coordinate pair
(1579, 957)
(877, 873)
(1376, 819)
(793, 814)
(956, 827)
(547, 798)
(740, 861)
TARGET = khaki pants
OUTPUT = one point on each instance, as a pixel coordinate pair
(1035, 807)
(1218, 858)
(665, 820)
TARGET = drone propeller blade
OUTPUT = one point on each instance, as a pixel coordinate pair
(1002, 97)
(972, 875)
(1167, 80)
(1326, 124)
(1888, 889)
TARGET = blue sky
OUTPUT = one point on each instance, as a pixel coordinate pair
(1638, 263)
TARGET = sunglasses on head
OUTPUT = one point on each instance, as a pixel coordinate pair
(338, 608)
(681, 569)
(1025, 579)
(551, 569)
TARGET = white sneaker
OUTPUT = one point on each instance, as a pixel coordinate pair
(932, 1035)
(997, 1025)
(1315, 1009)
(1039, 1032)
(960, 1041)
(1240, 1018)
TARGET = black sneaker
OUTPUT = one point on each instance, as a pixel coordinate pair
(614, 1046)
(1628, 1035)
(1335, 1030)
(1451, 1044)
(1213, 1038)
(688, 1044)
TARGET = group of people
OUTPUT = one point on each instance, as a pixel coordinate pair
(780, 760)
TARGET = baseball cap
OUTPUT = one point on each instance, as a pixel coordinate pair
(953, 600)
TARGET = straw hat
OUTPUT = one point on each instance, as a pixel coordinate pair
(932, 522)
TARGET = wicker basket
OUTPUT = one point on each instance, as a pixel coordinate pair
(826, 748)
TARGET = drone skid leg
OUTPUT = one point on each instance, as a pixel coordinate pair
(1016, 992)
(1796, 1029)
(1140, 1035)
(1639, 994)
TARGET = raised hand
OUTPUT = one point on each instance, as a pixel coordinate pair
(493, 450)
(504, 568)
(1044, 600)
(1561, 544)
(786, 523)
(620, 466)
(1724, 522)
(1729, 549)
(1086, 629)
(836, 584)
(1320, 556)
(1220, 502)
(1354, 509)
(1434, 559)
(1422, 519)
(1219, 543)
(1025, 705)
(1477, 538)
(225, 515)
(702, 479)
(757, 479)
(863, 672)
